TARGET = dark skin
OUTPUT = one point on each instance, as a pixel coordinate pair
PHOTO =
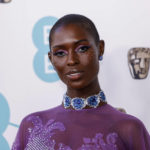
(75, 57)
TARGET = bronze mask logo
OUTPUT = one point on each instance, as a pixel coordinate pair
(5, 1)
(139, 62)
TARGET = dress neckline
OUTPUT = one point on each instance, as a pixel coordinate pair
(100, 107)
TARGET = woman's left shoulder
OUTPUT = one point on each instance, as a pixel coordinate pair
(132, 131)
(124, 118)
(130, 123)
(127, 123)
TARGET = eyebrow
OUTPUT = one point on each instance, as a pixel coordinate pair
(83, 40)
(77, 42)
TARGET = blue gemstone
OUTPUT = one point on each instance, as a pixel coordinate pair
(92, 101)
(78, 103)
(67, 101)
(102, 96)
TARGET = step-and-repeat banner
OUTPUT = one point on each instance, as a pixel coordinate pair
(28, 82)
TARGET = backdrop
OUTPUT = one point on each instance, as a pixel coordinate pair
(28, 82)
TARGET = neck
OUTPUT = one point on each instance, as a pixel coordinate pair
(91, 89)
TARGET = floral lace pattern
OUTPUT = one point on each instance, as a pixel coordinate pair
(40, 138)
(98, 143)
(41, 135)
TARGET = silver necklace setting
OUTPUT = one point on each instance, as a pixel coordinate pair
(79, 103)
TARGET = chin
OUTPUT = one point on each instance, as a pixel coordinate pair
(77, 85)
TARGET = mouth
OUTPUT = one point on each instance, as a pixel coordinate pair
(74, 75)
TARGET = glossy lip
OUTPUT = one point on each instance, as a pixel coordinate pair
(74, 74)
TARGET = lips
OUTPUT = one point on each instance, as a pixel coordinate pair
(74, 74)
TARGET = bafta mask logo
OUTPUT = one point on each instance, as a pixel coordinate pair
(139, 62)
(5, 1)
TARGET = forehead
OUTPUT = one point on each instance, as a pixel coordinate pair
(69, 33)
(139, 53)
(143, 54)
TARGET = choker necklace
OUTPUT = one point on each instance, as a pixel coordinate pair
(79, 103)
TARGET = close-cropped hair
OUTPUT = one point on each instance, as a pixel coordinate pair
(80, 20)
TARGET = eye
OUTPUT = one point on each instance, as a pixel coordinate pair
(82, 48)
(60, 53)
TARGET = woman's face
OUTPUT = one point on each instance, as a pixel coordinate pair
(74, 55)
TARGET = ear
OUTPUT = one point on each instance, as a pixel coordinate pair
(101, 47)
(49, 56)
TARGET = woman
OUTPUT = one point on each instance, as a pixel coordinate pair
(84, 120)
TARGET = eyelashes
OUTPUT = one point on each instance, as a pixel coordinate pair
(80, 49)
(60, 53)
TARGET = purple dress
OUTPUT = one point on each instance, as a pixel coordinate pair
(102, 128)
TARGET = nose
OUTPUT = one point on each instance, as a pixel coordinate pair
(142, 63)
(72, 58)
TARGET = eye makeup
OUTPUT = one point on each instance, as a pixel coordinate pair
(82, 48)
(60, 53)
(79, 49)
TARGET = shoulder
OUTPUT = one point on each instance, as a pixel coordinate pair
(131, 130)
(40, 116)
(130, 124)
(133, 133)
(125, 123)
(32, 121)
(122, 116)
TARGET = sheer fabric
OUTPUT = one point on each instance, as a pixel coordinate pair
(102, 128)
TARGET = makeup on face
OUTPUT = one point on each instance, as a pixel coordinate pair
(79, 46)
(74, 55)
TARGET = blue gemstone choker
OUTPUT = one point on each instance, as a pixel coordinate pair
(79, 103)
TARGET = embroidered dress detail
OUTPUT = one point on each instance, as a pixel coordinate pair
(98, 143)
(40, 138)
(101, 128)
(15, 145)
(41, 135)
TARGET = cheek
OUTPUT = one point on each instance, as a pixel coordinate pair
(147, 64)
(59, 65)
(91, 62)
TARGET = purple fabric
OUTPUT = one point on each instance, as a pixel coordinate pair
(102, 128)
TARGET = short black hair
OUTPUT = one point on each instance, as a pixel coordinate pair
(76, 19)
